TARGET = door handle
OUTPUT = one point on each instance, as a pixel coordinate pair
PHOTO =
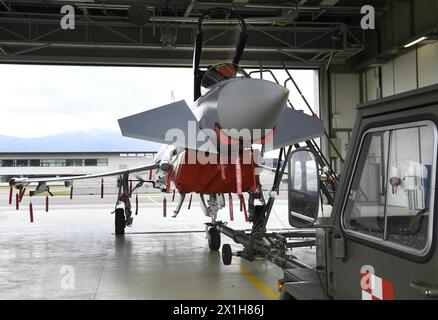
(424, 288)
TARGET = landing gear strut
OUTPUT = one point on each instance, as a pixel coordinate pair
(123, 216)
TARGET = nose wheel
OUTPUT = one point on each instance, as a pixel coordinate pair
(227, 254)
(214, 239)
(120, 221)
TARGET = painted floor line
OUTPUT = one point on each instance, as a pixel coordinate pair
(263, 287)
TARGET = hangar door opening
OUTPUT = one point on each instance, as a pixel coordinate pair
(63, 119)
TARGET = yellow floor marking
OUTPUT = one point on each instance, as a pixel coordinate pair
(263, 287)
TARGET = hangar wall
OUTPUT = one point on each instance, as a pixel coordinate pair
(344, 93)
(411, 70)
(399, 69)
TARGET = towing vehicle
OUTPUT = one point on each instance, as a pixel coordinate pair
(379, 242)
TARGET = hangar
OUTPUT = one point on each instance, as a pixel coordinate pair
(381, 55)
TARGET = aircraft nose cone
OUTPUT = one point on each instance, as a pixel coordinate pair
(251, 104)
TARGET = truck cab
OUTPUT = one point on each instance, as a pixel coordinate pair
(379, 242)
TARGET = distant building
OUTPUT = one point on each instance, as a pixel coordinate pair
(53, 164)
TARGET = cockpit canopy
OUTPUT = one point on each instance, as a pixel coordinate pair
(221, 72)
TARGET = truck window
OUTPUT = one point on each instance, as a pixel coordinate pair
(391, 193)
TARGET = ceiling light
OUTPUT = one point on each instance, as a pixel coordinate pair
(410, 44)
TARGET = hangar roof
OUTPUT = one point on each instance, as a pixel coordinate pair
(302, 32)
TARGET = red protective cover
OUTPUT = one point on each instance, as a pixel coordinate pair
(207, 179)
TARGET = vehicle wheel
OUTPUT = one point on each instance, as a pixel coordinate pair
(227, 255)
(214, 239)
(120, 221)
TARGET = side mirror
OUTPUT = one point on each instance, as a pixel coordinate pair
(303, 188)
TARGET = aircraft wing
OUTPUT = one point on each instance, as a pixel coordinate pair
(273, 169)
(26, 181)
(295, 126)
(163, 124)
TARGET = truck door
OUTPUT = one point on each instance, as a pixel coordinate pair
(388, 218)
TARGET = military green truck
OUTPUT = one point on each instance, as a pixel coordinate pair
(379, 242)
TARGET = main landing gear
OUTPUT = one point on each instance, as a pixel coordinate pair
(123, 216)
(119, 222)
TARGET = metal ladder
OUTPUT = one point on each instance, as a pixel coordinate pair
(330, 183)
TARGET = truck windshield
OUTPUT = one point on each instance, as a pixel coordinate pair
(390, 194)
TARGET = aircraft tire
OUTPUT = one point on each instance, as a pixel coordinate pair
(119, 221)
(227, 254)
(214, 239)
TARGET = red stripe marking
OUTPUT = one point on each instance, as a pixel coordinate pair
(190, 201)
(101, 189)
(136, 204)
(223, 138)
(238, 176)
(22, 192)
(169, 176)
(10, 195)
(230, 204)
(150, 174)
(17, 201)
(388, 290)
(254, 182)
(242, 200)
(164, 207)
(31, 212)
(223, 175)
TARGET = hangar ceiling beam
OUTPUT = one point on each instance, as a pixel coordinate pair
(300, 41)
(161, 62)
(157, 47)
(189, 8)
(348, 10)
(328, 2)
(272, 34)
(6, 5)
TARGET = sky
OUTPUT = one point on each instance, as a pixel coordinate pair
(39, 100)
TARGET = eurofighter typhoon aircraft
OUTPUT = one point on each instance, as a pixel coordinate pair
(208, 144)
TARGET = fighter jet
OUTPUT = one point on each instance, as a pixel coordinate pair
(208, 145)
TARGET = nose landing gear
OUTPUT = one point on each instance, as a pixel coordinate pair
(214, 239)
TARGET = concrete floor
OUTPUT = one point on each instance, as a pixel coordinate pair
(71, 253)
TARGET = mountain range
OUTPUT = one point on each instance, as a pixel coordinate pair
(99, 141)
